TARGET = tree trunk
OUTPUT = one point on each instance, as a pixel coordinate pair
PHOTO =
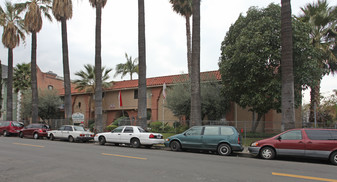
(66, 71)
(1, 83)
(35, 99)
(195, 72)
(9, 113)
(142, 105)
(288, 108)
(314, 99)
(257, 122)
(98, 71)
(189, 47)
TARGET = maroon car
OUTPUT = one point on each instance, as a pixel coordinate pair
(317, 143)
(35, 130)
(8, 128)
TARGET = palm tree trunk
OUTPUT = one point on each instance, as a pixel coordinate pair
(195, 72)
(142, 105)
(189, 47)
(314, 100)
(35, 100)
(288, 108)
(66, 71)
(98, 72)
(9, 113)
(0, 88)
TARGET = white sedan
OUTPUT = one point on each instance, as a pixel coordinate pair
(133, 135)
(71, 133)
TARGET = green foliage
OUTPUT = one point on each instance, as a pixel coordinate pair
(111, 127)
(22, 77)
(120, 121)
(251, 56)
(130, 67)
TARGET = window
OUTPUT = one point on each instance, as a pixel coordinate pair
(118, 129)
(68, 128)
(50, 87)
(141, 130)
(292, 135)
(128, 130)
(318, 134)
(333, 134)
(79, 128)
(211, 130)
(61, 128)
(135, 94)
(194, 131)
(226, 131)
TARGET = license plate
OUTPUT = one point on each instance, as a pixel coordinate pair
(87, 135)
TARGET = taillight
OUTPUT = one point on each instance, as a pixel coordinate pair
(40, 130)
(151, 136)
(82, 135)
(239, 139)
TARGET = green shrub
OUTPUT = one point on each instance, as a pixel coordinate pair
(156, 126)
(120, 121)
(111, 127)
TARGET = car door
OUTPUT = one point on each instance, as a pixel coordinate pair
(127, 134)
(211, 137)
(58, 133)
(290, 143)
(67, 131)
(192, 138)
(115, 135)
(320, 143)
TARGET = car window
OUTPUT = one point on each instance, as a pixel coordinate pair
(211, 130)
(79, 128)
(128, 130)
(194, 131)
(68, 128)
(319, 134)
(6, 124)
(45, 127)
(226, 131)
(61, 128)
(141, 130)
(292, 135)
(16, 124)
(118, 129)
(333, 134)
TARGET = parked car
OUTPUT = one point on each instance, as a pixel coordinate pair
(317, 143)
(71, 133)
(223, 139)
(35, 130)
(132, 135)
(8, 128)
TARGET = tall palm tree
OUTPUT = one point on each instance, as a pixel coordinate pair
(87, 81)
(323, 22)
(62, 11)
(130, 67)
(142, 105)
(22, 77)
(195, 72)
(184, 8)
(33, 23)
(12, 34)
(98, 4)
(287, 91)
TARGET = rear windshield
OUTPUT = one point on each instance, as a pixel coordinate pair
(322, 134)
(79, 128)
(16, 124)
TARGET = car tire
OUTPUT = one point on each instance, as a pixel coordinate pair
(71, 139)
(5, 133)
(21, 135)
(267, 153)
(175, 146)
(333, 158)
(36, 136)
(135, 143)
(101, 140)
(224, 149)
(52, 137)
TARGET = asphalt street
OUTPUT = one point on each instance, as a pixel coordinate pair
(29, 160)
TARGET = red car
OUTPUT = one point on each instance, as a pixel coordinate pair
(35, 130)
(304, 142)
(10, 127)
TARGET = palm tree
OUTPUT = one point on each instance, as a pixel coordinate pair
(99, 4)
(131, 67)
(33, 23)
(287, 102)
(63, 10)
(323, 22)
(184, 8)
(22, 77)
(87, 81)
(12, 34)
(195, 71)
(142, 105)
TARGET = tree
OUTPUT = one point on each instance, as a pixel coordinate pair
(63, 11)
(323, 22)
(98, 4)
(142, 105)
(13, 32)
(87, 80)
(131, 67)
(22, 77)
(33, 24)
(195, 71)
(251, 58)
(184, 8)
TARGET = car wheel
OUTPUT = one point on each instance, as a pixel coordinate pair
(52, 137)
(267, 153)
(21, 135)
(333, 158)
(36, 136)
(135, 143)
(175, 146)
(101, 140)
(6, 133)
(224, 149)
(71, 139)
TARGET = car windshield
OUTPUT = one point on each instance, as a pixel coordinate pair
(79, 128)
(16, 124)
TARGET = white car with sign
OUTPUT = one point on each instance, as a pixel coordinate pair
(71, 133)
(133, 135)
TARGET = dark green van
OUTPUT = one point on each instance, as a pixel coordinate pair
(223, 139)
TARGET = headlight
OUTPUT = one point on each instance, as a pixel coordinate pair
(255, 144)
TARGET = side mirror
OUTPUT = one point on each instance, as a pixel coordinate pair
(279, 138)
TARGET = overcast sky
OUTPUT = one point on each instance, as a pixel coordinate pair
(165, 36)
